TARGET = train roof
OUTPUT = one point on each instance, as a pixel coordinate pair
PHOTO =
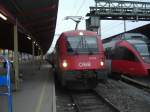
(132, 34)
(131, 38)
(125, 36)
(137, 41)
(77, 32)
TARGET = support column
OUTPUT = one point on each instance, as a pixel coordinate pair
(16, 63)
(33, 55)
(38, 54)
(28, 58)
(33, 51)
(8, 55)
(99, 29)
(125, 26)
(21, 58)
(41, 55)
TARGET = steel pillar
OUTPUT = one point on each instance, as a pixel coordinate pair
(41, 55)
(33, 51)
(125, 26)
(16, 63)
(99, 29)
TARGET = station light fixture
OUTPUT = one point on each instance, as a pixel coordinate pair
(109, 17)
(3, 17)
(28, 37)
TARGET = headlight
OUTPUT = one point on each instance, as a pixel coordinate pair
(64, 64)
(102, 63)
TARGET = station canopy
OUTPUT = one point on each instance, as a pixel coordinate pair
(36, 19)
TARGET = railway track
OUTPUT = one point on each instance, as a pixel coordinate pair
(89, 101)
(136, 83)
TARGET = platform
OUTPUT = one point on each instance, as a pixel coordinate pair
(37, 93)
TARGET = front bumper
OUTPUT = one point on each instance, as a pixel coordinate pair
(84, 74)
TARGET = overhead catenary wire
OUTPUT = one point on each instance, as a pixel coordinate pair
(80, 9)
(81, 6)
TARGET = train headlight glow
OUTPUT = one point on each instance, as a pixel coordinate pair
(80, 33)
(102, 63)
(64, 64)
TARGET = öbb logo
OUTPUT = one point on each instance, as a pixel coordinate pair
(84, 64)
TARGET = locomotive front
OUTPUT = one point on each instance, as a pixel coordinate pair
(82, 60)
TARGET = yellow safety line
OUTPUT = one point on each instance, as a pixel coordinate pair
(38, 108)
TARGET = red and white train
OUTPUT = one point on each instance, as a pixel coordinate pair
(128, 54)
(79, 59)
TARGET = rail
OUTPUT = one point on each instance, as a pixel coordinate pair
(135, 83)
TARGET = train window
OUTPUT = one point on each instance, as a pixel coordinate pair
(142, 48)
(134, 36)
(84, 44)
(90, 42)
(73, 43)
(128, 55)
(122, 53)
(117, 53)
(144, 51)
(116, 39)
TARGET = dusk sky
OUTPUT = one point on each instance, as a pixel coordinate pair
(81, 8)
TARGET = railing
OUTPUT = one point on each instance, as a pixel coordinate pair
(121, 10)
(5, 82)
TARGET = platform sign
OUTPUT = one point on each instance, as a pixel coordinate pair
(6, 53)
(10, 55)
(1, 51)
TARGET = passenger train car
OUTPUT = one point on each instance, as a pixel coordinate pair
(129, 54)
(79, 59)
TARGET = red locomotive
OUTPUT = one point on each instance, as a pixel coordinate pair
(129, 54)
(79, 59)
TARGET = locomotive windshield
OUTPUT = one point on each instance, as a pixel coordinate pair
(82, 44)
(144, 51)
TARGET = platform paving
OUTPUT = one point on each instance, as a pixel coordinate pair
(37, 93)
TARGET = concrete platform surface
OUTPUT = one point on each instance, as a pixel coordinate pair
(37, 93)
